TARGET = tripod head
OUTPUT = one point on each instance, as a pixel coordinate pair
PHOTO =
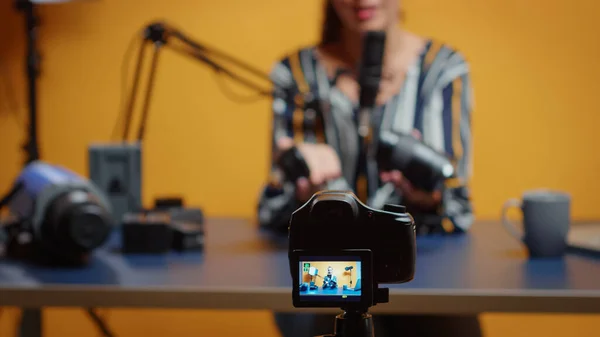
(353, 323)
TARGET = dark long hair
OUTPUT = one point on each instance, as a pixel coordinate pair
(332, 25)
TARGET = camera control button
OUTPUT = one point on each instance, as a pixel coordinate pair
(394, 208)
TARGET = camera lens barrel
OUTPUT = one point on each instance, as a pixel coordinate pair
(75, 223)
(422, 165)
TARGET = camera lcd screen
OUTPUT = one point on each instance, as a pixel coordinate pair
(330, 279)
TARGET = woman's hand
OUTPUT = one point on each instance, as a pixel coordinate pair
(422, 199)
(412, 195)
(323, 164)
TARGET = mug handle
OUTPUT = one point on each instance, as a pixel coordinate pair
(508, 225)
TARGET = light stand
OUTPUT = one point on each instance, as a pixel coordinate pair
(32, 60)
(31, 319)
(349, 270)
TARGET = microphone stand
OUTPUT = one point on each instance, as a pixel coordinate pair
(158, 35)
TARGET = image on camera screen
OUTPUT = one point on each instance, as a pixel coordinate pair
(330, 279)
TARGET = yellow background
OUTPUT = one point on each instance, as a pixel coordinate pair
(342, 276)
(535, 71)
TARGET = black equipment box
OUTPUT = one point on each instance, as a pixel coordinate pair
(162, 230)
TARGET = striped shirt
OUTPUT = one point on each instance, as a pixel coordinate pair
(435, 99)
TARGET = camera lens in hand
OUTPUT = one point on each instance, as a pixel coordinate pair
(422, 165)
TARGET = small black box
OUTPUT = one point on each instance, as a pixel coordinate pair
(146, 233)
(187, 236)
(168, 202)
(188, 214)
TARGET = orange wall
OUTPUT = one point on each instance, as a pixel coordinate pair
(534, 67)
(535, 70)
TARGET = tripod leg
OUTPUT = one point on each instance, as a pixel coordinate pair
(31, 323)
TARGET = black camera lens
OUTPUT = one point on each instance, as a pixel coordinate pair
(334, 206)
(76, 223)
(88, 227)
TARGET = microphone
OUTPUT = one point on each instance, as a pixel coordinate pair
(369, 77)
(349, 268)
(291, 165)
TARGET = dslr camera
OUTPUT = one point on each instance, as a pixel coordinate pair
(340, 250)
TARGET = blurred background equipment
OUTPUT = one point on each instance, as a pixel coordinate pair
(57, 216)
(117, 170)
(163, 229)
(116, 167)
(160, 34)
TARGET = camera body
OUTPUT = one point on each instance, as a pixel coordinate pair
(335, 235)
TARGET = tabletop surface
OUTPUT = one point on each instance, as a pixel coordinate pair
(242, 267)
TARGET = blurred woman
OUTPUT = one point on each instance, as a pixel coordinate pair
(424, 91)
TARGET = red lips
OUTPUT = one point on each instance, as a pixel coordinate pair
(365, 13)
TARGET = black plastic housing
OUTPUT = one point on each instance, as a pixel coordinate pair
(336, 221)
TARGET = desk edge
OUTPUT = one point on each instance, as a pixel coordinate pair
(430, 301)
